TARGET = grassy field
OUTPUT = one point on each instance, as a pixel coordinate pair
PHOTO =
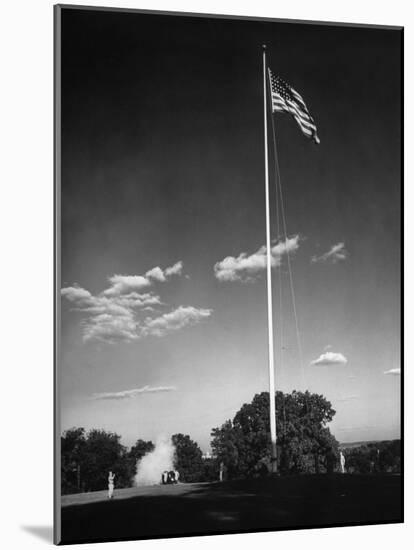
(249, 505)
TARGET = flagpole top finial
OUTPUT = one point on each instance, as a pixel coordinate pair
(264, 46)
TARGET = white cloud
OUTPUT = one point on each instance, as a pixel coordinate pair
(76, 293)
(157, 274)
(174, 320)
(246, 268)
(330, 358)
(129, 394)
(120, 313)
(335, 254)
(110, 328)
(176, 269)
(394, 372)
(122, 284)
(97, 305)
(138, 300)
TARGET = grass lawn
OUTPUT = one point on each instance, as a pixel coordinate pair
(233, 506)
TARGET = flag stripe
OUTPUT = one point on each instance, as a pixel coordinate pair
(298, 97)
(281, 105)
(294, 110)
(306, 128)
(291, 109)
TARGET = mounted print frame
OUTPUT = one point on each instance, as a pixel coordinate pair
(228, 204)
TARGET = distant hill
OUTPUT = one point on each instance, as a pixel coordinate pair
(354, 444)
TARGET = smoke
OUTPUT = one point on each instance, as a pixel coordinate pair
(151, 466)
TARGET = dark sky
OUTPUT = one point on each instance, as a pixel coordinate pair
(162, 161)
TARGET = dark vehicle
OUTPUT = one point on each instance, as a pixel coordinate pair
(169, 478)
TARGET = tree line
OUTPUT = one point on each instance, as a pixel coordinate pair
(86, 459)
(374, 458)
(240, 447)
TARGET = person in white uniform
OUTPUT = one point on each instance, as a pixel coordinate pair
(111, 484)
(342, 462)
(221, 471)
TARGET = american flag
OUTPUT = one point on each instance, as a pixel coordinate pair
(285, 98)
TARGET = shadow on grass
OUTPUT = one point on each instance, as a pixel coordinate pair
(238, 506)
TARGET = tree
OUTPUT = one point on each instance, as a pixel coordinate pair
(304, 442)
(136, 452)
(359, 460)
(104, 453)
(225, 446)
(72, 449)
(328, 451)
(210, 470)
(370, 458)
(140, 449)
(389, 456)
(188, 458)
(87, 460)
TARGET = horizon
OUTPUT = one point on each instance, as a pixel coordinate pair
(208, 450)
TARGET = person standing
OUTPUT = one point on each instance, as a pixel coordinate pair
(342, 462)
(111, 484)
(221, 471)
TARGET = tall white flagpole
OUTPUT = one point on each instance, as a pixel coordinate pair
(269, 284)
